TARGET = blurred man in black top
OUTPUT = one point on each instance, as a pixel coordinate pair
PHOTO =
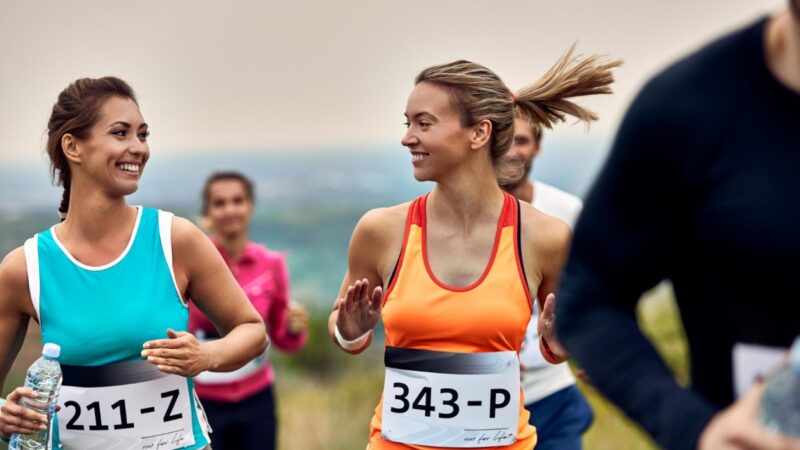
(702, 187)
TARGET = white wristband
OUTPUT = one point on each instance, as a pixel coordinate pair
(355, 344)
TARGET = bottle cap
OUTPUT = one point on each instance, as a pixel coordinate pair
(794, 356)
(51, 350)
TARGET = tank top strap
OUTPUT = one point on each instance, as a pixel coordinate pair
(147, 234)
(509, 216)
(513, 216)
(416, 212)
(414, 217)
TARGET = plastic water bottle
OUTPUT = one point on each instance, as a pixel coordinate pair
(44, 378)
(780, 407)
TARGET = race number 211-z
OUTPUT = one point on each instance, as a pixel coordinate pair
(125, 406)
(122, 419)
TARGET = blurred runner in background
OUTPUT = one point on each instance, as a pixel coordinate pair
(558, 410)
(241, 404)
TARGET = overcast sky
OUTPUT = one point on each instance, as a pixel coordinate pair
(263, 75)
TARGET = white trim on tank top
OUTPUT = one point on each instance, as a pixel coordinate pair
(165, 234)
(104, 266)
(31, 250)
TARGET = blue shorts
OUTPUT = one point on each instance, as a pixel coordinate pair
(560, 419)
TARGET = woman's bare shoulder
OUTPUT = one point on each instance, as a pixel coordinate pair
(383, 223)
(541, 232)
(14, 280)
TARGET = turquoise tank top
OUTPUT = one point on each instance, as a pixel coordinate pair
(102, 315)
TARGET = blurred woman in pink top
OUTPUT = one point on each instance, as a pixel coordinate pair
(240, 405)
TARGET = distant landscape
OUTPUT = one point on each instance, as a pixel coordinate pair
(308, 201)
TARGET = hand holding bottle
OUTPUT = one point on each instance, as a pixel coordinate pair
(15, 418)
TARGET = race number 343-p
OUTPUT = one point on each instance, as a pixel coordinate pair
(447, 399)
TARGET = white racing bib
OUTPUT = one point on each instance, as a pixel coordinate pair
(126, 406)
(446, 399)
(751, 361)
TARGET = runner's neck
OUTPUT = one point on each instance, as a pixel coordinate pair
(95, 217)
(233, 245)
(467, 206)
(782, 42)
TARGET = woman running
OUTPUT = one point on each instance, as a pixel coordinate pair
(240, 404)
(461, 264)
(108, 284)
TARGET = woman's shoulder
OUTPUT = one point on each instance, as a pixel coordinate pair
(383, 222)
(378, 236)
(184, 231)
(386, 215)
(13, 268)
(14, 276)
(542, 231)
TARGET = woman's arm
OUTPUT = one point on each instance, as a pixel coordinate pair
(358, 306)
(16, 309)
(545, 246)
(202, 275)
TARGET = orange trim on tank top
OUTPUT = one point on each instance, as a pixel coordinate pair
(501, 222)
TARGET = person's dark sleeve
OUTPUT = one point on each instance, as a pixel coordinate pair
(629, 238)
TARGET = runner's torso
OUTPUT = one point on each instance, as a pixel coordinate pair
(479, 326)
(101, 316)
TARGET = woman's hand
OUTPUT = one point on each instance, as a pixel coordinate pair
(736, 428)
(182, 354)
(15, 418)
(358, 310)
(552, 350)
(298, 318)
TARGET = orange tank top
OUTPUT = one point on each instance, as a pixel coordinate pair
(491, 315)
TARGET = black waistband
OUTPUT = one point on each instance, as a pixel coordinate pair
(446, 362)
(110, 374)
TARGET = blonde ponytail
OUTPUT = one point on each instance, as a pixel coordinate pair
(545, 102)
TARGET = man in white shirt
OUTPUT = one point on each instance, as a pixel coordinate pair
(557, 407)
